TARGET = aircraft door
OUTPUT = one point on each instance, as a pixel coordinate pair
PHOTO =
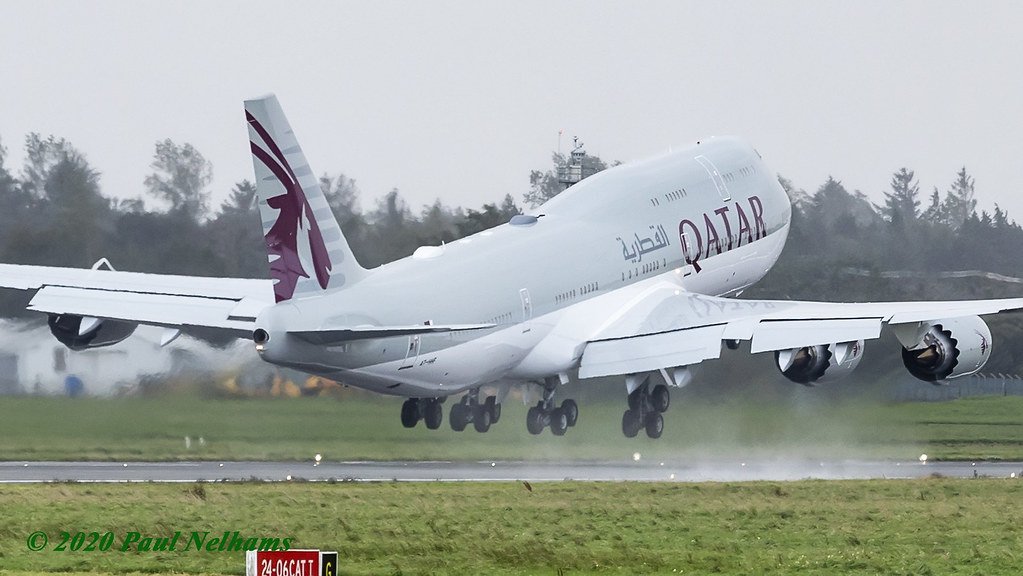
(690, 253)
(527, 304)
(412, 354)
(715, 176)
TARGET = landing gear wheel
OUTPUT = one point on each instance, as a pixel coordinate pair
(559, 422)
(654, 425)
(410, 413)
(630, 423)
(434, 415)
(459, 417)
(571, 410)
(660, 397)
(481, 419)
(534, 420)
(491, 405)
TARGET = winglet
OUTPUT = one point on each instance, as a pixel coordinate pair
(307, 251)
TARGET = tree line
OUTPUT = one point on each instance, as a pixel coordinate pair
(56, 214)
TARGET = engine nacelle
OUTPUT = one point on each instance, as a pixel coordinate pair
(80, 333)
(812, 365)
(945, 349)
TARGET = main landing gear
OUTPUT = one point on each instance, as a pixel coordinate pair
(426, 409)
(545, 413)
(471, 410)
(645, 409)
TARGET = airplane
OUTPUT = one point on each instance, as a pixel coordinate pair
(631, 273)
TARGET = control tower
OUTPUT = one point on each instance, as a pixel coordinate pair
(574, 168)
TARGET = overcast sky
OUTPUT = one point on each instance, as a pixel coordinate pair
(460, 100)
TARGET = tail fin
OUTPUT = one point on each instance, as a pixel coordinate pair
(305, 246)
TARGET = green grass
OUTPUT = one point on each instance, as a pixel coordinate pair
(41, 428)
(938, 526)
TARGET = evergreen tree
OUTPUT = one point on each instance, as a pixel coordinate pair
(80, 218)
(342, 196)
(959, 201)
(391, 233)
(902, 205)
(16, 202)
(438, 225)
(236, 234)
(935, 212)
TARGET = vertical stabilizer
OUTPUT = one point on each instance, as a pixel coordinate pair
(305, 246)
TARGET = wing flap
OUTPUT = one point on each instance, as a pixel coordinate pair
(784, 334)
(651, 351)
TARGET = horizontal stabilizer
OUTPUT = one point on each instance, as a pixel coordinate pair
(235, 317)
(338, 335)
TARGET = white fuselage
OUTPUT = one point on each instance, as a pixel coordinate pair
(711, 220)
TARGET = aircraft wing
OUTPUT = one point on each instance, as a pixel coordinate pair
(227, 305)
(666, 328)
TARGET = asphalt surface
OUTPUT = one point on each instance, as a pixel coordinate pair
(704, 470)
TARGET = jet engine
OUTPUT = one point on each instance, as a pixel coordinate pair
(80, 333)
(945, 349)
(812, 365)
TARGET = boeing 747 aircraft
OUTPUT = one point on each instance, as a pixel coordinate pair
(629, 273)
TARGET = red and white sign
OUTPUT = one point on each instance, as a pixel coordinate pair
(286, 562)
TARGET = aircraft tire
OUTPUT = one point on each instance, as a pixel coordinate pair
(661, 398)
(459, 417)
(630, 423)
(559, 422)
(494, 408)
(434, 415)
(654, 425)
(534, 420)
(410, 413)
(481, 419)
(571, 410)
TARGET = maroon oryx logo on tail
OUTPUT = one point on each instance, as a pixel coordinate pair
(283, 237)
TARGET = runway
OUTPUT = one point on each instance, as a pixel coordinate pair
(704, 470)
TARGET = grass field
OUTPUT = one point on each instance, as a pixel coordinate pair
(46, 428)
(931, 526)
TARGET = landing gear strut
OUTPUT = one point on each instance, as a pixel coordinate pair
(470, 410)
(645, 409)
(545, 413)
(427, 409)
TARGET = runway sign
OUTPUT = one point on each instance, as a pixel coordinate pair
(290, 563)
